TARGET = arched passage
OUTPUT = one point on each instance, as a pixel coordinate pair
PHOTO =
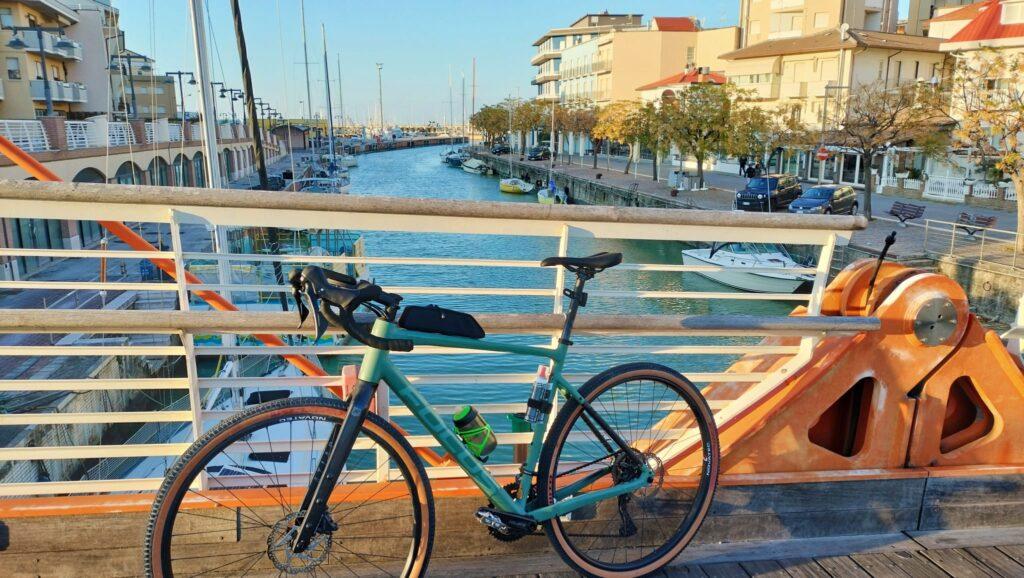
(158, 172)
(128, 174)
(229, 164)
(90, 231)
(199, 170)
(182, 172)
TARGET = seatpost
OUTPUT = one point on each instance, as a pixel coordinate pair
(577, 299)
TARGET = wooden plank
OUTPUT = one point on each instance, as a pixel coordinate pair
(957, 563)
(1015, 552)
(842, 566)
(914, 564)
(997, 561)
(803, 568)
(878, 566)
(974, 538)
(688, 571)
(724, 570)
(765, 569)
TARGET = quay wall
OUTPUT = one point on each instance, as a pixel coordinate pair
(407, 143)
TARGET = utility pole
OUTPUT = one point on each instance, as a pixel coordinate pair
(261, 161)
(305, 60)
(380, 96)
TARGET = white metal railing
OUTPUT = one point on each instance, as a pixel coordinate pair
(120, 134)
(964, 240)
(29, 135)
(197, 132)
(78, 134)
(150, 132)
(569, 230)
(174, 132)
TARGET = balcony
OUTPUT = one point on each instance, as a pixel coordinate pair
(602, 66)
(786, 5)
(545, 55)
(793, 90)
(59, 91)
(545, 77)
(74, 52)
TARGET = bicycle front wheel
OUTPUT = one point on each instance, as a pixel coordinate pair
(228, 506)
(668, 426)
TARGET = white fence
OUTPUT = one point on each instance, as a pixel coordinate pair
(197, 132)
(182, 214)
(120, 134)
(78, 134)
(150, 132)
(29, 135)
(174, 132)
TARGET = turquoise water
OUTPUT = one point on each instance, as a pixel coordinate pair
(420, 173)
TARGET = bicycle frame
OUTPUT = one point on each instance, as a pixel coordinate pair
(377, 366)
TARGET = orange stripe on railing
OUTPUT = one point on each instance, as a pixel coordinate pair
(137, 243)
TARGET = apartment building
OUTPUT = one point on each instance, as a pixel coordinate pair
(612, 65)
(138, 91)
(38, 63)
(763, 20)
(922, 11)
(550, 46)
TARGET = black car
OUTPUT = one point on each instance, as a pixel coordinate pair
(501, 149)
(828, 200)
(769, 193)
(538, 154)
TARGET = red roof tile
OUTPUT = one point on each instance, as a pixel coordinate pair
(675, 24)
(686, 77)
(987, 25)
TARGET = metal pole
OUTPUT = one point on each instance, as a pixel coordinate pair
(380, 95)
(196, 10)
(341, 96)
(131, 84)
(181, 92)
(46, 79)
(327, 88)
(305, 61)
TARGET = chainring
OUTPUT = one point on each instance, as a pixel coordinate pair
(513, 490)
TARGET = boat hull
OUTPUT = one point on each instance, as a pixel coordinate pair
(745, 280)
(515, 186)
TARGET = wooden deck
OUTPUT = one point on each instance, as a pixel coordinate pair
(988, 552)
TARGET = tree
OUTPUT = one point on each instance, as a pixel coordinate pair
(757, 133)
(697, 122)
(985, 101)
(870, 118)
(650, 133)
(619, 122)
(492, 121)
(527, 115)
(580, 117)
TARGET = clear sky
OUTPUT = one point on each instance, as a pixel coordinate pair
(416, 40)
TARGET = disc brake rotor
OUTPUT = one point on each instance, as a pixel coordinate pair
(279, 548)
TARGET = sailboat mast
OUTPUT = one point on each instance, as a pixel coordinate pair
(341, 96)
(305, 61)
(472, 106)
(463, 104)
(327, 95)
(451, 111)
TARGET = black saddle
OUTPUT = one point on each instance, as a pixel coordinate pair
(595, 263)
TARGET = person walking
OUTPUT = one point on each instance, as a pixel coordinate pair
(759, 169)
(751, 172)
(743, 166)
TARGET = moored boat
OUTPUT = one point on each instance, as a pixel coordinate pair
(758, 260)
(475, 166)
(339, 184)
(547, 197)
(515, 186)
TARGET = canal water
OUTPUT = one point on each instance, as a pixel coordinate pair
(420, 173)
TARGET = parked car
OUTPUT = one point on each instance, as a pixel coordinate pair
(770, 193)
(501, 149)
(827, 199)
(538, 154)
(276, 182)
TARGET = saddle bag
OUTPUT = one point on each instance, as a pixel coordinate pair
(434, 319)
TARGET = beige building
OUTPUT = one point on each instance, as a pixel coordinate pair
(763, 20)
(921, 11)
(611, 66)
(24, 87)
(138, 91)
(550, 46)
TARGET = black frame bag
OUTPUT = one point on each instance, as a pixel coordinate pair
(434, 319)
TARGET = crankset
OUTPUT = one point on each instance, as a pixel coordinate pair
(506, 527)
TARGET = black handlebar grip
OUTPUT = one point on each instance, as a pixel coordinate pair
(346, 322)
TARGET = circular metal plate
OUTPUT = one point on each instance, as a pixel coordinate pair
(935, 322)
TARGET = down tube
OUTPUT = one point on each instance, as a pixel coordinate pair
(437, 427)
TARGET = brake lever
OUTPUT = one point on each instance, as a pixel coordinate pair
(300, 306)
(320, 323)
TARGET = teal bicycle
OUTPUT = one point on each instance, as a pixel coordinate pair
(620, 480)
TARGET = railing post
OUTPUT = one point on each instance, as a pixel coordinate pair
(981, 249)
(818, 289)
(563, 251)
(952, 240)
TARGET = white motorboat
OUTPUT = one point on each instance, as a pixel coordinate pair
(339, 184)
(475, 166)
(747, 267)
(515, 186)
(347, 161)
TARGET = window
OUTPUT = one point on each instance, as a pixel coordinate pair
(6, 17)
(13, 69)
(32, 20)
(821, 20)
(1013, 13)
(39, 70)
(689, 55)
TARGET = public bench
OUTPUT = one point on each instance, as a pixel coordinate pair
(971, 224)
(906, 211)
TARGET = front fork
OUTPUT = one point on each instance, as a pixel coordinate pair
(328, 470)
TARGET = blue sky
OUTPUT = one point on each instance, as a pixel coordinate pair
(416, 41)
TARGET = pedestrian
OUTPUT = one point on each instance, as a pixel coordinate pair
(751, 172)
(759, 168)
(743, 166)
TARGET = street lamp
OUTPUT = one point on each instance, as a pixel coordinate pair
(17, 43)
(131, 77)
(235, 95)
(181, 87)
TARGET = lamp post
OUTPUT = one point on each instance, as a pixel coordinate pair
(234, 94)
(19, 44)
(131, 77)
(181, 87)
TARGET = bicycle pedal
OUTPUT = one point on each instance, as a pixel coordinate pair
(505, 523)
(491, 519)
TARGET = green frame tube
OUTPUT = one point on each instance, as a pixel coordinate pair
(377, 365)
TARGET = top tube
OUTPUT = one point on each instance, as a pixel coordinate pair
(392, 331)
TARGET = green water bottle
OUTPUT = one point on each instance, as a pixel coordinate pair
(475, 432)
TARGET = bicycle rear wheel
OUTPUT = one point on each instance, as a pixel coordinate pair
(668, 425)
(228, 506)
